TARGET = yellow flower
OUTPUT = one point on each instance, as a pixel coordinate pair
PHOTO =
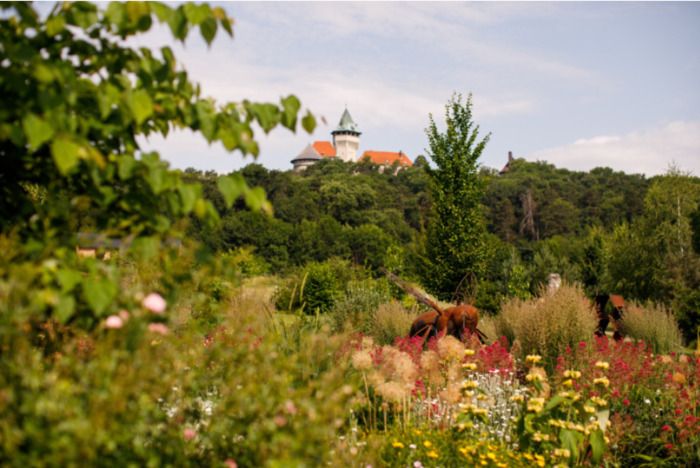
(602, 381)
(599, 401)
(602, 365)
(464, 451)
(572, 374)
(491, 455)
(533, 358)
(427, 444)
(540, 460)
(417, 432)
(533, 377)
(469, 352)
(469, 366)
(568, 383)
(588, 409)
(517, 398)
(432, 454)
(469, 384)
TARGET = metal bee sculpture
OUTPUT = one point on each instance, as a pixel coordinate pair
(452, 321)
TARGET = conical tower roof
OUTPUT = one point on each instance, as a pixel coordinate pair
(308, 153)
(346, 124)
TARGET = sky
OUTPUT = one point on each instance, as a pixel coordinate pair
(579, 85)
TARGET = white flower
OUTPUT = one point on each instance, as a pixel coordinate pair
(114, 321)
(155, 303)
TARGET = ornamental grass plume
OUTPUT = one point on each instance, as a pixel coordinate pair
(653, 324)
(550, 324)
(450, 348)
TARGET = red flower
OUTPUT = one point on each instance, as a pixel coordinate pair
(626, 402)
(668, 446)
(665, 428)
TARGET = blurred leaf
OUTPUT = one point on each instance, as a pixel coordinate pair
(65, 309)
(208, 29)
(255, 198)
(178, 24)
(37, 130)
(597, 446)
(290, 106)
(196, 14)
(65, 153)
(308, 122)
(231, 187)
(55, 25)
(68, 279)
(99, 293)
(188, 194)
(141, 105)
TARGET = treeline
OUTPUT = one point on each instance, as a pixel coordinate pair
(609, 230)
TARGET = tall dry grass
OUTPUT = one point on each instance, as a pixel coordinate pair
(391, 320)
(653, 324)
(549, 324)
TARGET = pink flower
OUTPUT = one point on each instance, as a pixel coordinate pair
(155, 303)
(189, 433)
(159, 328)
(124, 314)
(114, 321)
(231, 463)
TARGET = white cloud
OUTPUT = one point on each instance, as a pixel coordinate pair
(649, 151)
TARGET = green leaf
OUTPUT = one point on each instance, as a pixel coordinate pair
(141, 105)
(156, 179)
(125, 166)
(206, 114)
(55, 25)
(231, 187)
(570, 441)
(597, 445)
(136, 11)
(37, 130)
(196, 14)
(208, 30)
(267, 115)
(65, 309)
(68, 279)
(554, 402)
(308, 122)
(188, 194)
(256, 199)
(99, 293)
(290, 109)
(163, 12)
(65, 153)
(178, 24)
(115, 13)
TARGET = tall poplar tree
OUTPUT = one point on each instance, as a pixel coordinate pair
(456, 251)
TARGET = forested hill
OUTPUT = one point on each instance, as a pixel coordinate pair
(626, 233)
(532, 201)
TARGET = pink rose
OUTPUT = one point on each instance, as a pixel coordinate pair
(189, 433)
(159, 328)
(114, 321)
(155, 303)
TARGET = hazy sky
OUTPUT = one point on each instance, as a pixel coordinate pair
(579, 85)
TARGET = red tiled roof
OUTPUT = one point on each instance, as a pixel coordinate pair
(324, 148)
(386, 158)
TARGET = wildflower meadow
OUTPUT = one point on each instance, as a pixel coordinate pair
(152, 316)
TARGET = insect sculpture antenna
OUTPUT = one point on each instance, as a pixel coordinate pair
(421, 296)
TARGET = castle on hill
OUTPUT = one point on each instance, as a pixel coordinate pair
(345, 146)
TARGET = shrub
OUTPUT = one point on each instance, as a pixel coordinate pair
(549, 324)
(653, 324)
(316, 287)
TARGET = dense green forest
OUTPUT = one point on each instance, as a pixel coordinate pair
(624, 233)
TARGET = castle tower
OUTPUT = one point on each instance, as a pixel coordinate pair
(346, 138)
